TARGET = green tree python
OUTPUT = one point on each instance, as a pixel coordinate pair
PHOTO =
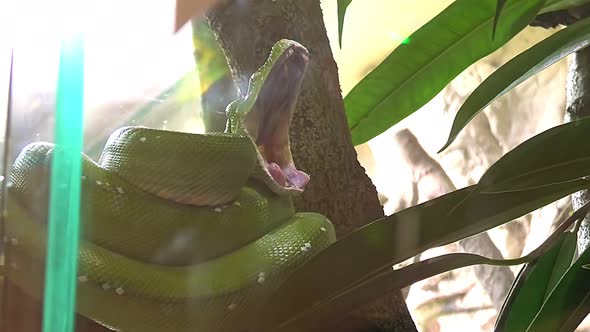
(181, 231)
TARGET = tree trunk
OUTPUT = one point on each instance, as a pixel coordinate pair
(578, 106)
(320, 139)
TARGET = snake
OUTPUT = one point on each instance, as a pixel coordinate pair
(180, 231)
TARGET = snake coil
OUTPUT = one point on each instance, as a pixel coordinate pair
(178, 232)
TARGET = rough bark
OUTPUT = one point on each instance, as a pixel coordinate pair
(320, 139)
(578, 106)
(432, 181)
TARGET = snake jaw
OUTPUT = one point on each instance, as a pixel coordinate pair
(267, 123)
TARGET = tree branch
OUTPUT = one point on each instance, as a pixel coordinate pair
(433, 181)
(578, 106)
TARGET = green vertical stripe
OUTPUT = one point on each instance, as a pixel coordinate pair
(64, 200)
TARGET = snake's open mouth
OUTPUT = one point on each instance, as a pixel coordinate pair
(268, 122)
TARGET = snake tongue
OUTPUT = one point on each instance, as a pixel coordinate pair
(289, 176)
(296, 177)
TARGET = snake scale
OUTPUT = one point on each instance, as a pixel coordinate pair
(181, 231)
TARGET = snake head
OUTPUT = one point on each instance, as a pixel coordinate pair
(265, 114)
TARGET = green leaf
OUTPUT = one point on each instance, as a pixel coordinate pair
(499, 7)
(460, 214)
(388, 241)
(519, 69)
(441, 49)
(564, 260)
(534, 284)
(557, 155)
(342, 5)
(334, 308)
(569, 303)
(563, 4)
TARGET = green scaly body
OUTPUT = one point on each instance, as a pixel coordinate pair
(180, 232)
